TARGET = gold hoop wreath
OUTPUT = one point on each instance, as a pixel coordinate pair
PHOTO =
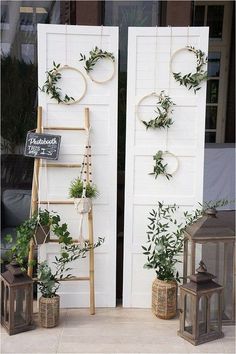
(53, 77)
(191, 80)
(94, 56)
(163, 118)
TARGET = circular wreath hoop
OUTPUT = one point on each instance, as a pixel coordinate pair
(163, 118)
(191, 80)
(160, 168)
(94, 56)
(53, 77)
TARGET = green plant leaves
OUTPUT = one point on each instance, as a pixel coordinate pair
(193, 80)
(53, 76)
(95, 55)
(76, 189)
(159, 168)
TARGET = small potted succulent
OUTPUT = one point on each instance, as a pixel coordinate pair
(83, 193)
(49, 282)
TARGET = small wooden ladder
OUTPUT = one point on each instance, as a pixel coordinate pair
(35, 202)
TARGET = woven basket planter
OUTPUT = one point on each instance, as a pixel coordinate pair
(42, 234)
(49, 311)
(164, 295)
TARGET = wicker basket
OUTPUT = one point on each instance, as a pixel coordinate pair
(164, 295)
(49, 311)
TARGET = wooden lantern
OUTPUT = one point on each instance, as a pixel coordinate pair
(16, 300)
(201, 308)
(212, 239)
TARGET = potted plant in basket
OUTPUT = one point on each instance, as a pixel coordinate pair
(164, 245)
(82, 193)
(49, 282)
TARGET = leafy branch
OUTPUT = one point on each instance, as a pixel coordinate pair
(193, 80)
(163, 112)
(160, 168)
(95, 55)
(50, 85)
(165, 236)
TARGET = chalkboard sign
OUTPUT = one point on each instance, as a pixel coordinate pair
(42, 146)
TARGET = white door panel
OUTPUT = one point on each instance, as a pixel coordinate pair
(149, 53)
(101, 99)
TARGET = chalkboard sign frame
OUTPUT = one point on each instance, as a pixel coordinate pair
(37, 147)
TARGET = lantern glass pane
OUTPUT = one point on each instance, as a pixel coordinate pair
(219, 258)
(20, 307)
(188, 320)
(214, 312)
(202, 315)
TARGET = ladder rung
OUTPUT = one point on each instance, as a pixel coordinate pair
(56, 241)
(55, 202)
(75, 278)
(63, 128)
(71, 165)
(70, 279)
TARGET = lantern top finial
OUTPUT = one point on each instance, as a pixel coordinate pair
(202, 276)
(202, 267)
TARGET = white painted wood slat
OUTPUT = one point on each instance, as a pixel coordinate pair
(185, 140)
(101, 99)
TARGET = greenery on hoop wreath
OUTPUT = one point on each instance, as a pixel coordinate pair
(192, 80)
(160, 168)
(94, 56)
(53, 76)
(163, 111)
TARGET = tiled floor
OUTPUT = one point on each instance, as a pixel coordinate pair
(116, 330)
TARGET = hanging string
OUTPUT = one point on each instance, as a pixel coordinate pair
(188, 36)
(66, 44)
(155, 64)
(101, 34)
(169, 84)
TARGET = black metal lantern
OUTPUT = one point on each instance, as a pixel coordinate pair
(212, 239)
(16, 300)
(201, 308)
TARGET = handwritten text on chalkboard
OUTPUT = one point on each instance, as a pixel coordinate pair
(43, 146)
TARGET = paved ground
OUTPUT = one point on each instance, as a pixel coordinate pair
(116, 330)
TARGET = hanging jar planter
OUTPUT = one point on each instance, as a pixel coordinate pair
(83, 205)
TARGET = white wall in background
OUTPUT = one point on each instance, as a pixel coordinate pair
(54, 183)
(185, 139)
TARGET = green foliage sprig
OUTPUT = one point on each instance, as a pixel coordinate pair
(165, 236)
(48, 281)
(95, 55)
(76, 189)
(50, 85)
(193, 80)
(160, 168)
(163, 113)
(25, 232)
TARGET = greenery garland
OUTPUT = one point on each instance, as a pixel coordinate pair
(95, 55)
(193, 80)
(163, 118)
(53, 76)
(159, 168)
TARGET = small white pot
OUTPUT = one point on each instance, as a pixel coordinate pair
(83, 205)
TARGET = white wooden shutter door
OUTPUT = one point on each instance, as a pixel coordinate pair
(185, 140)
(101, 99)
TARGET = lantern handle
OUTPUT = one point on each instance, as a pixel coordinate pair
(202, 267)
